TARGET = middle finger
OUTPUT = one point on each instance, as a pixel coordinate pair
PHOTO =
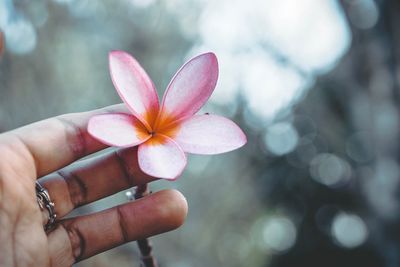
(89, 180)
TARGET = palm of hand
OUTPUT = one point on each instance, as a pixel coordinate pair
(21, 221)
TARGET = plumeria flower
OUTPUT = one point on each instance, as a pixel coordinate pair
(166, 132)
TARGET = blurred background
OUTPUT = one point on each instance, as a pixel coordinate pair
(315, 84)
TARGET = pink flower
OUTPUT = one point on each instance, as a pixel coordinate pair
(164, 133)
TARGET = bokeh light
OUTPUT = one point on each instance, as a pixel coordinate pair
(363, 13)
(330, 170)
(279, 234)
(20, 36)
(349, 230)
(38, 13)
(381, 187)
(281, 138)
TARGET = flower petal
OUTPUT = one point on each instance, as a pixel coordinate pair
(161, 157)
(134, 87)
(190, 88)
(118, 129)
(209, 134)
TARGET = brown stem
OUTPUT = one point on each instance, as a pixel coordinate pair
(144, 244)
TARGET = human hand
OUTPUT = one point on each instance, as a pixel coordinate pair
(41, 151)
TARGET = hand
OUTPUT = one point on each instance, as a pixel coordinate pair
(41, 151)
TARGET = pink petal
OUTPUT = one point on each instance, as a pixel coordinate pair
(118, 129)
(209, 134)
(190, 88)
(134, 87)
(161, 157)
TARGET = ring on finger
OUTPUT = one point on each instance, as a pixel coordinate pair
(44, 202)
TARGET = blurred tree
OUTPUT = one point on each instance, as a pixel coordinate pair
(355, 109)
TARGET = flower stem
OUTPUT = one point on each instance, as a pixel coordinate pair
(144, 244)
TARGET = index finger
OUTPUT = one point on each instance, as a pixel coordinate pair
(51, 144)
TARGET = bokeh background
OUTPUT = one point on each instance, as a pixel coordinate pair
(315, 84)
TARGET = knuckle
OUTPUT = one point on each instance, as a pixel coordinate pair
(77, 188)
(122, 224)
(76, 239)
(127, 174)
(75, 136)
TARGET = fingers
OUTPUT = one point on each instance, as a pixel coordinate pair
(92, 179)
(85, 236)
(48, 145)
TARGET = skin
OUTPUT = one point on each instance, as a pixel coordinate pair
(48, 151)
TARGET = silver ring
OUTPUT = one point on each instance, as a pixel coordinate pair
(44, 201)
